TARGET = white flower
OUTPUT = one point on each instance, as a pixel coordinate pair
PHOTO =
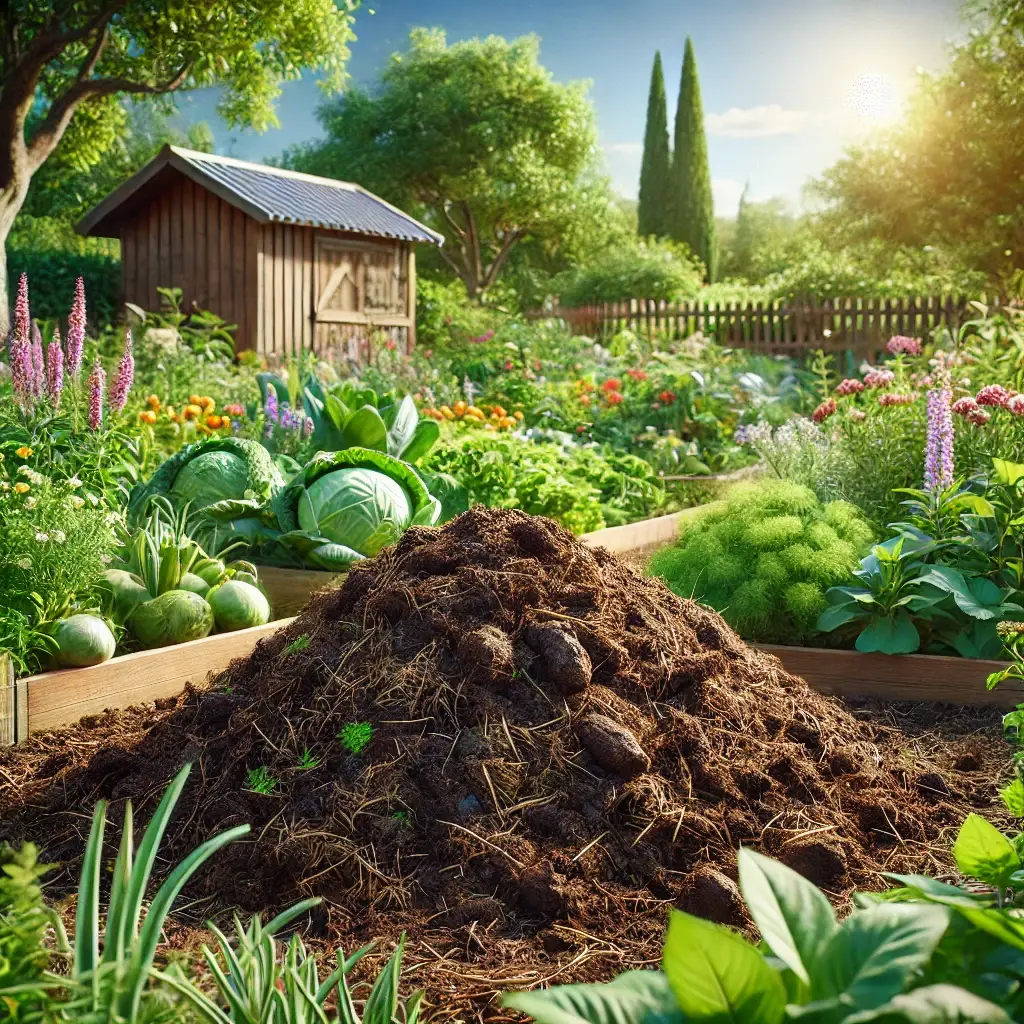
(25, 563)
(77, 501)
(112, 519)
(59, 536)
(106, 559)
(31, 501)
(41, 538)
(74, 481)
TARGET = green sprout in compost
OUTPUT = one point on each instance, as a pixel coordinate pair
(259, 780)
(355, 736)
(307, 762)
(300, 643)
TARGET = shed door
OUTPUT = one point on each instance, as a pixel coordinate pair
(360, 282)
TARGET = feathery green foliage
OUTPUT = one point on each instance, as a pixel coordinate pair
(693, 210)
(656, 167)
(765, 557)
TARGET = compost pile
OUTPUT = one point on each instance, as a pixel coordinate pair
(561, 751)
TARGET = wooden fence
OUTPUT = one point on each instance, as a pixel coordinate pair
(860, 326)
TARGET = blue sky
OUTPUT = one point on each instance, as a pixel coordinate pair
(776, 75)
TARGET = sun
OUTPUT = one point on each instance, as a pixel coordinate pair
(873, 97)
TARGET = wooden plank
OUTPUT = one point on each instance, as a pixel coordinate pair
(288, 590)
(164, 264)
(251, 292)
(8, 702)
(226, 257)
(912, 677)
(648, 533)
(239, 303)
(187, 272)
(411, 296)
(177, 256)
(287, 294)
(200, 253)
(280, 341)
(214, 257)
(150, 298)
(63, 697)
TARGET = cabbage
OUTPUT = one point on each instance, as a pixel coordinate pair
(126, 590)
(238, 605)
(83, 640)
(346, 506)
(196, 584)
(172, 618)
(221, 469)
(361, 508)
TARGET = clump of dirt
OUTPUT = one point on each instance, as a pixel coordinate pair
(561, 751)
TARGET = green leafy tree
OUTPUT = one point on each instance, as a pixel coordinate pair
(656, 168)
(948, 176)
(65, 67)
(693, 209)
(475, 137)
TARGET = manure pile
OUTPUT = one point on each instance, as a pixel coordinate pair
(562, 751)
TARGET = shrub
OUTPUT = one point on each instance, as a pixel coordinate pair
(651, 270)
(765, 557)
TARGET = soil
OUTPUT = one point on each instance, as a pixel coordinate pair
(562, 751)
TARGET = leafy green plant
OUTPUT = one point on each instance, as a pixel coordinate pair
(110, 962)
(204, 333)
(811, 966)
(764, 558)
(260, 780)
(24, 920)
(343, 507)
(355, 737)
(307, 761)
(300, 643)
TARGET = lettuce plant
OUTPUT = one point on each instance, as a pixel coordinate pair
(764, 558)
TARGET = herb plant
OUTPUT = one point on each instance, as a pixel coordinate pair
(355, 737)
(260, 780)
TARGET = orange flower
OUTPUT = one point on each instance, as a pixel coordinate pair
(585, 399)
(194, 400)
(153, 401)
(207, 403)
(21, 488)
(214, 422)
(148, 417)
(613, 397)
(191, 411)
(612, 384)
(24, 452)
(518, 415)
(459, 408)
(498, 411)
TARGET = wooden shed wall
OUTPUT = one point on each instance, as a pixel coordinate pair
(285, 289)
(188, 238)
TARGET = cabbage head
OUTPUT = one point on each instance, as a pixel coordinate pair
(221, 469)
(345, 506)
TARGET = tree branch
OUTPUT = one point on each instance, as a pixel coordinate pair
(48, 134)
(473, 239)
(455, 226)
(499, 261)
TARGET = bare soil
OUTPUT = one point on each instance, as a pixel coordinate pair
(562, 751)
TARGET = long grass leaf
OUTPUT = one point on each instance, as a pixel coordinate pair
(87, 913)
(114, 940)
(273, 926)
(201, 1004)
(145, 947)
(383, 998)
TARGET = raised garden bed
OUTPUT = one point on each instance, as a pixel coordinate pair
(59, 698)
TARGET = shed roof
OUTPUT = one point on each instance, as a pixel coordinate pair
(267, 194)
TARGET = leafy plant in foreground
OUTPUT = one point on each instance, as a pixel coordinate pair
(355, 736)
(810, 966)
(259, 780)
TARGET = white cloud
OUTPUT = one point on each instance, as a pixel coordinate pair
(726, 193)
(757, 122)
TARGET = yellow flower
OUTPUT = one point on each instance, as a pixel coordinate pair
(24, 452)
(21, 488)
(153, 401)
(207, 403)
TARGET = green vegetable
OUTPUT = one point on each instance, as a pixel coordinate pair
(172, 618)
(210, 471)
(126, 591)
(196, 584)
(83, 640)
(238, 605)
(210, 570)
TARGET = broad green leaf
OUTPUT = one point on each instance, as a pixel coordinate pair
(889, 636)
(365, 429)
(981, 851)
(424, 437)
(873, 954)
(1013, 797)
(1007, 472)
(934, 1004)
(632, 998)
(717, 976)
(838, 615)
(401, 421)
(794, 917)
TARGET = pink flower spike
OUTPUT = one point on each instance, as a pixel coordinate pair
(38, 366)
(76, 331)
(125, 375)
(55, 369)
(97, 384)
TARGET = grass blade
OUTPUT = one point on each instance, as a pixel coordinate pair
(87, 913)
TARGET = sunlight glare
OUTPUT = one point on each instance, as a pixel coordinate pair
(873, 97)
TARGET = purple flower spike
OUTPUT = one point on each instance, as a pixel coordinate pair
(55, 369)
(938, 463)
(76, 331)
(270, 408)
(125, 375)
(38, 369)
(97, 383)
(21, 370)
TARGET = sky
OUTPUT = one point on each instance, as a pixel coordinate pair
(786, 84)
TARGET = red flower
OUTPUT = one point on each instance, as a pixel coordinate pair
(585, 399)
(391, 345)
(850, 386)
(613, 397)
(879, 378)
(826, 409)
(508, 364)
(612, 384)
(893, 398)
(637, 374)
(993, 394)
(667, 397)
(580, 429)
(965, 407)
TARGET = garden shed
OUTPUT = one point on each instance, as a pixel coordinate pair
(298, 262)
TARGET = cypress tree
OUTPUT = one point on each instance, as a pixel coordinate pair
(653, 216)
(693, 214)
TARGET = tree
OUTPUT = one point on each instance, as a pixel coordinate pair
(949, 175)
(760, 238)
(656, 168)
(64, 68)
(693, 209)
(475, 137)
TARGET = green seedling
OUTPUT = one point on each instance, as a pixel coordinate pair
(259, 780)
(355, 736)
(307, 762)
(300, 643)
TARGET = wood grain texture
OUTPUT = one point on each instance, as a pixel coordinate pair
(63, 697)
(288, 590)
(912, 677)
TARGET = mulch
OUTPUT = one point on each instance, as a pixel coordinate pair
(562, 750)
